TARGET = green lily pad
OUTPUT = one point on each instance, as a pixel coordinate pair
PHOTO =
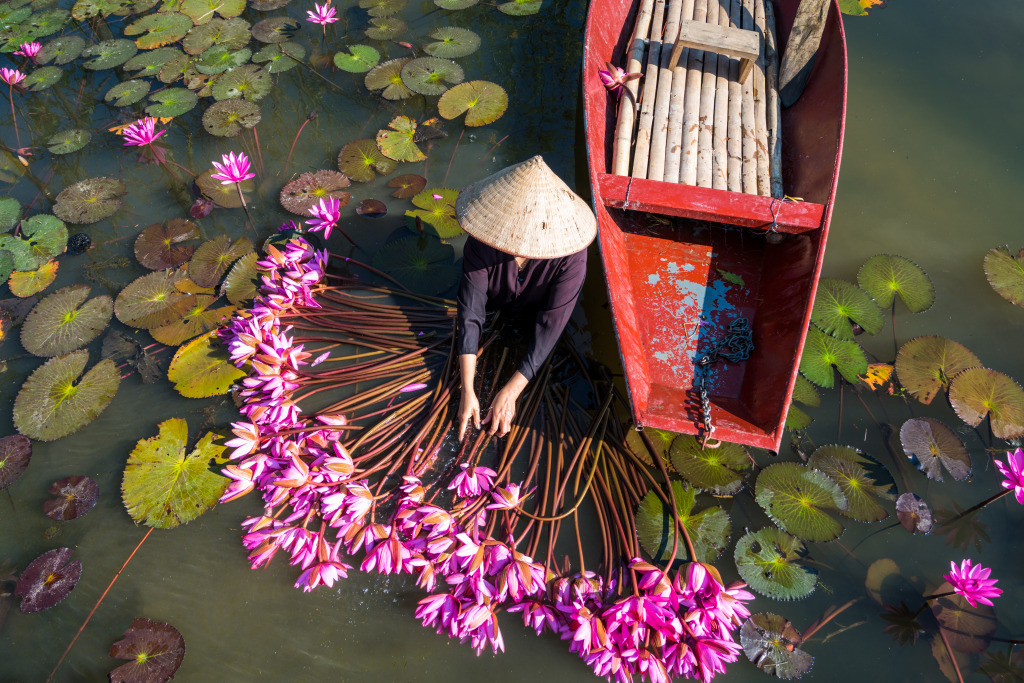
(109, 53)
(127, 92)
(51, 405)
(90, 200)
(267, 5)
(661, 439)
(48, 22)
(423, 264)
(68, 141)
(42, 78)
(13, 13)
(409, 185)
(158, 30)
(60, 51)
(224, 196)
(150, 62)
(383, 8)
(709, 529)
(86, 9)
(240, 284)
(931, 445)
(160, 245)
(482, 101)
(455, 4)
(154, 651)
(926, 365)
(165, 488)
(279, 57)
(520, 8)
(978, 392)
(64, 321)
(769, 561)
(213, 258)
(6, 270)
(227, 118)
(138, 7)
(15, 454)
(250, 82)
(822, 352)
(219, 59)
(202, 11)
(431, 75)
(200, 320)
(171, 102)
(863, 481)
(201, 368)
(274, 29)
(1005, 272)
(716, 470)
(387, 78)
(360, 159)
(796, 497)
(232, 34)
(44, 237)
(452, 42)
(306, 191)
(838, 303)
(884, 276)
(439, 213)
(386, 28)
(153, 300)
(10, 213)
(359, 59)
(770, 642)
(805, 393)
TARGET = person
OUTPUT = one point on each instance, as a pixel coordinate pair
(526, 255)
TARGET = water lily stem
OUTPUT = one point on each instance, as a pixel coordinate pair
(672, 496)
(288, 161)
(461, 133)
(952, 656)
(14, 118)
(241, 197)
(988, 501)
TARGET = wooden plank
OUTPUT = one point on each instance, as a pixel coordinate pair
(674, 138)
(728, 41)
(706, 116)
(748, 122)
(626, 120)
(801, 49)
(735, 141)
(761, 105)
(691, 108)
(774, 106)
(662, 101)
(642, 149)
(720, 129)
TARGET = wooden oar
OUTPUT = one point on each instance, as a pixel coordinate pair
(801, 49)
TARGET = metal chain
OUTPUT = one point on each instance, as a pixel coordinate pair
(736, 346)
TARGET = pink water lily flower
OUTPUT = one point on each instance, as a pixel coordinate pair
(1013, 470)
(142, 132)
(234, 169)
(972, 582)
(325, 216)
(11, 77)
(614, 78)
(323, 15)
(29, 50)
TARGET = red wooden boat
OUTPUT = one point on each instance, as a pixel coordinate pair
(682, 262)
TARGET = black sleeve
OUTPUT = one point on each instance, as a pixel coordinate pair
(472, 297)
(554, 314)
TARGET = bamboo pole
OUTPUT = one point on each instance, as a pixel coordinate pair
(749, 131)
(720, 130)
(761, 103)
(774, 105)
(662, 102)
(706, 116)
(691, 104)
(641, 152)
(735, 141)
(674, 137)
(627, 103)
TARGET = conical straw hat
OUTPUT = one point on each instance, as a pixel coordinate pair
(526, 210)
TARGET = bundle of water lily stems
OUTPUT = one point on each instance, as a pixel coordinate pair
(348, 439)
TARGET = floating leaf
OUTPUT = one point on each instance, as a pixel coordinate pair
(455, 4)
(201, 368)
(45, 237)
(431, 75)
(709, 529)
(372, 208)
(127, 93)
(10, 213)
(863, 481)
(452, 42)
(521, 8)
(233, 34)
(85, 9)
(307, 191)
(15, 454)
(857, 8)
(171, 102)
(913, 513)
(484, 102)
(661, 439)
(160, 29)
(49, 21)
(716, 470)
(240, 284)
(154, 651)
(797, 419)
(422, 264)
(359, 59)
(30, 282)
(796, 498)
(438, 211)
(822, 351)
(884, 276)
(75, 497)
(90, 200)
(838, 303)
(51, 405)
(928, 442)
(150, 62)
(227, 118)
(65, 321)
(925, 365)
(387, 78)
(225, 196)
(360, 158)
(220, 58)
(1003, 666)
(267, 5)
(968, 629)
(1005, 272)
(60, 51)
(6, 270)
(771, 642)
(397, 143)
(769, 561)
(109, 53)
(250, 82)
(199, 320)
(159, 246)
(202, 11)
(878, 375)
(386, 28)
(408, 185)
(42, 78)
(153, 300)
(277, 58)
(274, 29)
(47, 580)
(213, 258)
(383, 8)
(978, 392)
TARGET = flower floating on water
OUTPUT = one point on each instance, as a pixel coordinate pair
(1013, 470)
(142, 132)
(323, 15)
(234, 169)
(29, 50)
(972, 582)
(11, 77)
(614, 78)
(326, 216)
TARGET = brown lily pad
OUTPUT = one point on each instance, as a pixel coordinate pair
(926, 365)
(48, 580)
(153, 300)
(199, 320)
(409, 185)
(65, 321)
(980, 392)
(159, 246)
(933, 446)
(372, 208)
(306, 191)
(154, 651)
(90, 200)
(15, 454)
(212, 259)
(913, 513)
(74, 497)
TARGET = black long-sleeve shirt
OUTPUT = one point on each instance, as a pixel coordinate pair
(491, 279)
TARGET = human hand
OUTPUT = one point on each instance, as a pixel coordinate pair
(469, 407)
(503, 408)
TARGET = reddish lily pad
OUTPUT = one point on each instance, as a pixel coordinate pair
(65, 321)
(306, 191)
(159, 246)
(47, 580)
(770, 642)
(913, 513)
(968, 629)
(409, 185)
(932, 446)
(431, 75)
(90, 200)
(212, 259)
(201, 368)
(980, 392)
(28, 283)
(153, 300)
(154, 651)
(926, 365)
(372, 208)
(240, 284)
(387, 78)
(360, 159)
(482, 101)
(74, 497)
(15, 454)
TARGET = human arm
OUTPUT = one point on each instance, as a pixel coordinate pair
(472, 303)
(503, 407)
(469, 406)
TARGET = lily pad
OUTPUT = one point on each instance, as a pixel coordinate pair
(62, 50)
(224, 196)
(805, 393)
(159, 246)
(109, 53)
(162, 28)
(709, 529)
(45, 237)
(838, 303)
(884, 276)
(153, 300)
(267, 5)
(359, 59)
(85, 9)
(931, 445)
(431, 75)
(386, 28)
(372, 208)
(51, 405)
(521, 8)
(199, 320)
(863, 481)
(220, 58)
(201, 368)
(250, 82)
(202, 11)
(127, 93)
(822, 352)
(437, 209)
(1005, 272)
(383, 8)
(452, 42)
(978, 392)
(227, 118)
(150, 62)
(455, 4)
(661, 439)
(716, 470)
(65, 321)
(796, 498)
(47, 580)
(279, 57)
(6, 270)
(90, 200)
(42, 78)
(75, 497)
(306, 191)
(360, 159)
(232, 33)
(165, 488)
(10, 213)
(213, 258)
(28, 283)
(482, 101)
(769, 561)
(48, 21)
(171, 102)
(968, 629)
(926, 365)
(274, 29)
(409, 185)
(154, 651)
(423, 264)
(771, 642)
(387, 78)
(240, 284)
(913, 513)
(15, 454)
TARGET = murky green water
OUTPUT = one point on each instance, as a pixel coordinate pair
(930, 171)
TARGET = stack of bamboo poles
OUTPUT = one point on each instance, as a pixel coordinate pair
(697, 124)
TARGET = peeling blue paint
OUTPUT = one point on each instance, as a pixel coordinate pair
(688, 267)
(673, 267)
(653, 279)
(661, 355)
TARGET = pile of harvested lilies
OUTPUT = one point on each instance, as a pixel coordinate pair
(368, 467)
